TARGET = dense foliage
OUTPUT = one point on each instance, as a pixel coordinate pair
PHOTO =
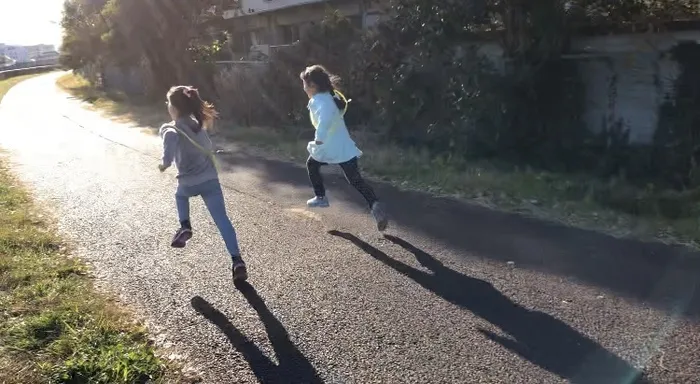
(419, 78)
(83, 27)
(168, 35)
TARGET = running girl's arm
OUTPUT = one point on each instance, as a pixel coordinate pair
(324, 113)
(170, 139)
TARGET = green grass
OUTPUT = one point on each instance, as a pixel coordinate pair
(54, 327)
(610, 206)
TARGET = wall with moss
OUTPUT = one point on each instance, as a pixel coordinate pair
(627, 79)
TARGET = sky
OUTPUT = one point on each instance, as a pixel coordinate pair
(29, 22)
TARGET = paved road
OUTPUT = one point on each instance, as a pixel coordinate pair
(455, 294)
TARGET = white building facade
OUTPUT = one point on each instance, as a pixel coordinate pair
(265, 23)
(23, 54)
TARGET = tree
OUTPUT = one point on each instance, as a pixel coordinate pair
(612, 14)
(169, 35)
(83, 28)
(172, 36)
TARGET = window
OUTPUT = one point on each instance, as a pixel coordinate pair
(288, 34)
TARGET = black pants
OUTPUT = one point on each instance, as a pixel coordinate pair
(352, 175)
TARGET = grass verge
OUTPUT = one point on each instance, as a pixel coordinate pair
(610, 206)
(114, 105)
(54, 327)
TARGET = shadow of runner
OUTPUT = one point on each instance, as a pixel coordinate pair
(536, 336)
(654, 273)
(293, 366)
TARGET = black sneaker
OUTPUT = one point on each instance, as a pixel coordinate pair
(181, 237)
(239, 270)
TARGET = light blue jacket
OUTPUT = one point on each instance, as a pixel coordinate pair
(338, 146)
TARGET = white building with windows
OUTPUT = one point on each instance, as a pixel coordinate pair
(261, 24)
(15, 52)
(23, 54)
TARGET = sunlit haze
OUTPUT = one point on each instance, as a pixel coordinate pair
(29, 22)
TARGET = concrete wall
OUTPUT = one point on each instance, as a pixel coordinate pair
(627, 79)
(627, 89)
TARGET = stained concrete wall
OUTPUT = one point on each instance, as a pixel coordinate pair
(627, 78)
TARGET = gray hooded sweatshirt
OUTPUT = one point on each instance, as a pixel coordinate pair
(194, 167)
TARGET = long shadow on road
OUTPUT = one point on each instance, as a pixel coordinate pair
(293, 366)
(538, 337)
(664, 276)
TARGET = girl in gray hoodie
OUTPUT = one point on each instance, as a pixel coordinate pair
(186, 143)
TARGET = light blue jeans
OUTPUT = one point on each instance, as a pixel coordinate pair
(214, 200)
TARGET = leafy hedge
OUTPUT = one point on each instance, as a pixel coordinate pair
(418, 79)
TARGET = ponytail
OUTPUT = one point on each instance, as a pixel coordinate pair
(340, 101)
(188, 103)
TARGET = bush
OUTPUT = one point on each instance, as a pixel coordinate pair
(271, 93)
(418, 80)
(434, 89)
(244, 95)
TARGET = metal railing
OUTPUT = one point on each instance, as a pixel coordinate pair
(31, 64)
(27, 71)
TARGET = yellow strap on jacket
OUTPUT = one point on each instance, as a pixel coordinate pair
(205, 151)
(335, 121)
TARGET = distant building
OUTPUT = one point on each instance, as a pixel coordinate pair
(23, 54)
(17, 53)
(35, 52)
(48, 55)
(262, 24)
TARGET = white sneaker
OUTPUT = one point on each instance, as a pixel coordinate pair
(318, 202)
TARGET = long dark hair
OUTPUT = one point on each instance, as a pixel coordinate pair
(324, 82)
(187, 102)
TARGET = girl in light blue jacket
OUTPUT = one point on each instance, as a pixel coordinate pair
(332, 143)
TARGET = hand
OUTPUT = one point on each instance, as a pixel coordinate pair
(162, 167)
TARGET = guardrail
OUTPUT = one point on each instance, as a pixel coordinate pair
(27, 71)
(31, 64)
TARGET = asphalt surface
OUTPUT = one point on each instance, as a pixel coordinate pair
(455, 294)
